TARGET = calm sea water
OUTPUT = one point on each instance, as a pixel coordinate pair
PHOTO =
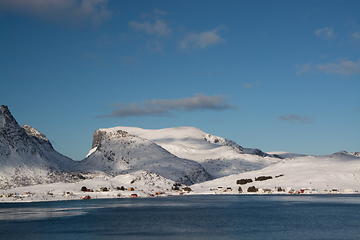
(186, 217)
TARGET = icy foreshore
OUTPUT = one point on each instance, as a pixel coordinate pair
(85, 191)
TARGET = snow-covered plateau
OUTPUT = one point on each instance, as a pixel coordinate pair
(135, 162)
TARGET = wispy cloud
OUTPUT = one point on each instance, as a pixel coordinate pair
(130, 60)
(158, 28)
(201, 40)
(327, 33)
(155, 28)
(304, 68)
(251, 85)
(355, 35)
(74, 12)
(293, 118)
(343, 66)
(165, 107)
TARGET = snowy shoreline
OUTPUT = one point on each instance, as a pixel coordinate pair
(11, 196)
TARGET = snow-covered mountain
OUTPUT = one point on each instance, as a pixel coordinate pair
(118, 152)
(319, 174)
(219, 156)
(154, 160)
(27, 157)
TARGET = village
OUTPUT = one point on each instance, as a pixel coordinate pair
(87, 193)
(248, 186)
(130, 192)
(278, 190)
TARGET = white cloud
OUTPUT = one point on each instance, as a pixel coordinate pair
(304, 68)
(158, 28)
(251, 85)
(325, 33)
(164, 107)
(293, 118)
(355, 35)
(201, 40)
(74, 12)
(341, 67)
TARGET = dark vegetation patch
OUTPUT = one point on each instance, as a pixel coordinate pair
(263, 178)
(244, 181)
(252, 189)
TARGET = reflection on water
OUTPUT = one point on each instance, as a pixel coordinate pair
(186, 217)
(43, 210)
(37, 213)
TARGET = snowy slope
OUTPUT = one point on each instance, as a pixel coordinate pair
(27, 157)
(219, 156)
(115, 151)
(339, 171)
(144, 184)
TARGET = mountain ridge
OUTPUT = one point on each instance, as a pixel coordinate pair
(162, 157)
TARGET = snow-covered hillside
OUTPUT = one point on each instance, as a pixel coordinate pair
(319, 174)
(219, 156)
(27, 157)
(141, 183)
(118, 152)
(151, 160)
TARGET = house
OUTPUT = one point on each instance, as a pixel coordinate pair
(86, 197)
(229, 189)
(266, 190)
(133, 195)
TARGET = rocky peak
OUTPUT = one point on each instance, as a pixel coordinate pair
(224, 142)
(33, 132)
(11, 134)
(6, 118)
(98, 136)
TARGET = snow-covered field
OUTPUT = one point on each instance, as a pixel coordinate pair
(337, 173)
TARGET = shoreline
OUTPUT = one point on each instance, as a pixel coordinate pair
(79, 196)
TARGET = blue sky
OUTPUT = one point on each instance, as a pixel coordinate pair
(273, 75)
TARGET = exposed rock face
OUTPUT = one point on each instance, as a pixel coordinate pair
(35, 133)
(356, 154)
(224, 142)
(97, 138)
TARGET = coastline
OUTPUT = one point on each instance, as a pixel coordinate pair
(45, 197)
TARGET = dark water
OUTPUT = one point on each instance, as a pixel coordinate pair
(186, 217)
